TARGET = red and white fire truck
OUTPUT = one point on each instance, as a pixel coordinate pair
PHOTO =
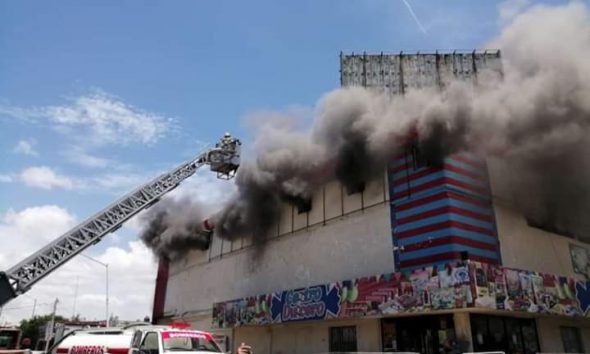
(137, 339)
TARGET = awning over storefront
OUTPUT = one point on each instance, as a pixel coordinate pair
(452, 286)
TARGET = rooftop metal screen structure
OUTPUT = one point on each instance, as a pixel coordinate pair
(401, 72)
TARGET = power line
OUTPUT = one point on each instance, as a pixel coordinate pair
(26, 306)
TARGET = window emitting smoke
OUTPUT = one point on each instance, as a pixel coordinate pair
(533, 123)
(174, 227)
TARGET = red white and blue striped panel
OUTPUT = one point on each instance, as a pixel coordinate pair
(439, 212)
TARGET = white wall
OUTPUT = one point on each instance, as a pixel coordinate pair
(307, 338)
(522, 246)
(550, 334)
(529, 248)
(350, 237)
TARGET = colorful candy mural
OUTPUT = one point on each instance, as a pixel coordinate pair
(452, 286)
(516, 290)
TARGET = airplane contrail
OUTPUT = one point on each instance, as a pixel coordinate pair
(414, 16)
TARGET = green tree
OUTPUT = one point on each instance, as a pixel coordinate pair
(31, 328)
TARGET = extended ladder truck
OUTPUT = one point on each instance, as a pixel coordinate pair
(223, 159)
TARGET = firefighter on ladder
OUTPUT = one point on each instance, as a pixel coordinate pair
(227, 139)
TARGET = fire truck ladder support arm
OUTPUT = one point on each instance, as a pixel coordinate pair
(223, 159)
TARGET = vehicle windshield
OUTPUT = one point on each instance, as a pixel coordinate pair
(8, 339)
(189, 342)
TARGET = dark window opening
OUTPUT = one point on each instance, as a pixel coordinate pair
(572, 340)
(507, 334)
(343, 339)
(303, 206)
(358, 187)
(418, 159)
(9, 339)
(419, 334)
(549, 226)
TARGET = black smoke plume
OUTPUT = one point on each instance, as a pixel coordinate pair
(534, 119)
(532, 124)
(172, 227)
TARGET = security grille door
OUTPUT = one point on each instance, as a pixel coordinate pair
(572, 340)
(343, 339)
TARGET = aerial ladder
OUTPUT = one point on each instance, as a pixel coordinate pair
(223, 159)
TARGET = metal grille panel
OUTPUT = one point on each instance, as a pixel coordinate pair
(401, 72)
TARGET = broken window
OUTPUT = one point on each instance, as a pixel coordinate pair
(303, 206)
(418, 159)
(357, 187)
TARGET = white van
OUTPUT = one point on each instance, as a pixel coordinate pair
(96, 341)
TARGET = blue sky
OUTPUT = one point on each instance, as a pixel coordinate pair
(204, 64)
(97, 96)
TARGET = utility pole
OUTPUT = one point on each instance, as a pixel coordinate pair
(49, 329)
(107, 317)
(34, 308)
(106, 266)
(75, 297)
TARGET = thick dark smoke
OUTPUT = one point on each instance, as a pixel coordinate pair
(535, 120)
(287, 169)
(175, 226)
(533, 124)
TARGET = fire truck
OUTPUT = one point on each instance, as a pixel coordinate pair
(142, 338)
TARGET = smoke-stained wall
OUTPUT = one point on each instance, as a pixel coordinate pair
(348, 236)
(329, 203)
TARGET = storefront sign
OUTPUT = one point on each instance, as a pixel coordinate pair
(313, 303)
(445, 287)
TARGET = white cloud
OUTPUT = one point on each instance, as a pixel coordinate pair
(134, 225)
(21, 231)
(119, 181)
(206, 189)
(98, 119)
(6, 178)
(80, 157)
(45, 178)
(26, 147)
(26, 114)
(132, 270)
(109, 120)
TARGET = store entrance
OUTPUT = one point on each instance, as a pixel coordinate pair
(506, 334)
(422, 334)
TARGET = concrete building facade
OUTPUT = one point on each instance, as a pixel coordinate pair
(422, 254)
